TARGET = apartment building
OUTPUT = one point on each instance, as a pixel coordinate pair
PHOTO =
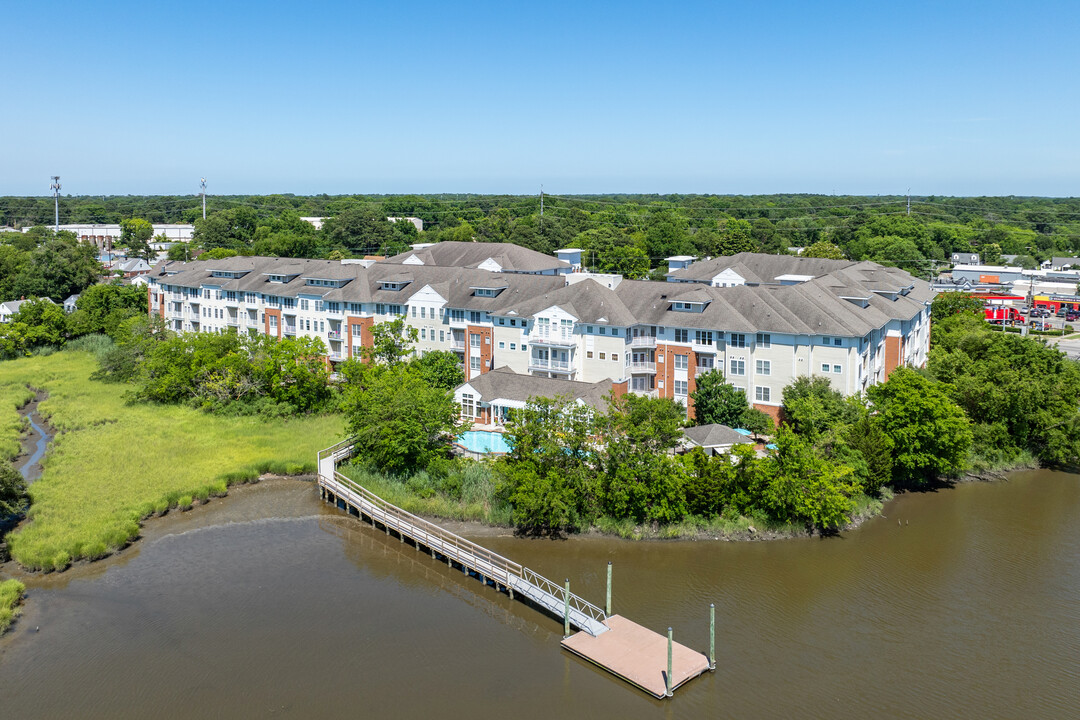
(763, 320)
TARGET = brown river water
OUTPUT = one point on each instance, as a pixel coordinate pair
(269, 603)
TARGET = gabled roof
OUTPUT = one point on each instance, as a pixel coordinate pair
(714, 435)
(509, 257)
(504, 383)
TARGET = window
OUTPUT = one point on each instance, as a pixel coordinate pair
(543, 327)
(485, 292)
(703, 337)
(762, 394)
(837, 369)
(704, 363)
(837, 342)
(738, 340)
(824, 367)
(502, 321)
(303, 304)
(423, 312)
(738, 367)
(764, 340)
(680, 387)
(474, 316)
(502, 345)
(603, 356)
(468, 407)
(685, 306)
(603, 331)
(682, 335)
(423, 333)
(442, 336)
(826, 340)
(588, 354)
(414, 311)
(615, 357)
(763, 367)
(474, 340)
(566, 329)
(513, 346)
(474, 363)
(682, 362)
(457, 315)
(615, 332)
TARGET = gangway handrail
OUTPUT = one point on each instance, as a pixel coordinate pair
(465, 552)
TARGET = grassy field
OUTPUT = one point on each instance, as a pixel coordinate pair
(113, 463)
(11, 592)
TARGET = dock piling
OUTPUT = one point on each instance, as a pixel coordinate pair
(607, 605)
(566, 611)
(712, 636)
(668, 678)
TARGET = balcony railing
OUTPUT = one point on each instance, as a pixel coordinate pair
(333, 334)
(288, 329)
(646, 341)
(555, 365)
(702, 369)
(643, 367)
(556, 340)
(457, 344)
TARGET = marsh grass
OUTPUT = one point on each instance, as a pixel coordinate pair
(12, 425)
(11, 592)
(114, 463)
(418, 494)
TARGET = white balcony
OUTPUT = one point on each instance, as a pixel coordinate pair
(333, 334)
(457, 344)
(562, 366)
(643, 367)
(553, 340)
(643, 341)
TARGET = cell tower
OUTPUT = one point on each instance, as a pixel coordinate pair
(56, 199)
(202, 184)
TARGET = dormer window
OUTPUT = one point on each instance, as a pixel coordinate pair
(487, 290)
(392, 285)
(687, 306)
(320, 282)
(277, 278)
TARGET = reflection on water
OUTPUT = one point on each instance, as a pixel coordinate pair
(271, 603)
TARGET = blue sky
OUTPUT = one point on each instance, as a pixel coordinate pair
(947, 98)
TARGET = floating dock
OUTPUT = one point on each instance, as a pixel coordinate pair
(638, 655)
(627, 650)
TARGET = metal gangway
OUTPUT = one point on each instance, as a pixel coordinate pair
(518, 581)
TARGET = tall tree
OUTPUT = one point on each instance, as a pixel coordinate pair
(930, 432)
(715, 401)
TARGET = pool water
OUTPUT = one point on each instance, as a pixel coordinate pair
(481, 441)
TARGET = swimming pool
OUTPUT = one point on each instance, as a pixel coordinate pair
(482, 441)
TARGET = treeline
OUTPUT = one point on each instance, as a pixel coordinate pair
(630, 234)
(42, 325)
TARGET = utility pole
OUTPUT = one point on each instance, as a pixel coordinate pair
(56, 199)
(202, 184)
(541, 201)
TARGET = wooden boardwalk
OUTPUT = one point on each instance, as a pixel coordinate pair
(622, 647)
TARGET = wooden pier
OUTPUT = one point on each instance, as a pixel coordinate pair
(623, 648)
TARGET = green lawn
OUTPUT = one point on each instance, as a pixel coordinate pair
(113, 463)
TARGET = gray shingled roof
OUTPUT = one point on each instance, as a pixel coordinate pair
(504, 383)
(758, 267)
(817, 307)
(713, 435)
(510, 257)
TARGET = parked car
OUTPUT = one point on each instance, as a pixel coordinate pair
(1040, 325)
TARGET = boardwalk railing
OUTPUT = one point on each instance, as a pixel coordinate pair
(486, 564)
